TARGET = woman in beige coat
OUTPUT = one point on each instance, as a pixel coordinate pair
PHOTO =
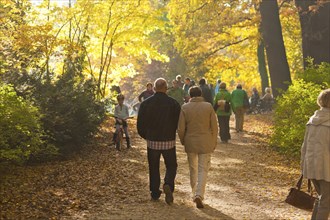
(198, 130)
(315, 155)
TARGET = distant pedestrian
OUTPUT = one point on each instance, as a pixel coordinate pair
(254, 100)
(186, 86)
(198, 131)
(179, 81)
(206, 91)
(267, 100)
(146, 93)
(237, 100)
(176, 92)
(315, 155)
(121, 115)
(217, 87)
(223, 114)
(157, 123)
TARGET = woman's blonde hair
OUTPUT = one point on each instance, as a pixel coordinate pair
(323, 100)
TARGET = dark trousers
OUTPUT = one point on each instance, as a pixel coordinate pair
(154, 174)
(224, 127)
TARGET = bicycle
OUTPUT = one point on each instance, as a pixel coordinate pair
(119, 136)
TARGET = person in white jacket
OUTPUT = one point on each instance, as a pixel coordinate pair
(315, 155)
(198, 130)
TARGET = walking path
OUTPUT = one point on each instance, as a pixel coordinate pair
(246, 181)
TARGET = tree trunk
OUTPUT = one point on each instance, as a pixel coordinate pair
(262, 66)
(272, 34)
(314, 20)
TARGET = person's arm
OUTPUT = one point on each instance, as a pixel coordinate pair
(214, 127)
(140, 96)
(303, 150)
(141, 121)
(182, 127)
(116, 113)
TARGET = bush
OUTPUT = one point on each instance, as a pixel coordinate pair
(296, 106)
(292, 112)
(21, 133)
(318, 74)
(71, 114)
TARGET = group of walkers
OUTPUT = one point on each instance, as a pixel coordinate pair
(199, 119)
(160, 117)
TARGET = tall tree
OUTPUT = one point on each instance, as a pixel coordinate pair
(262, 65)
(272, 34)
(314, 20)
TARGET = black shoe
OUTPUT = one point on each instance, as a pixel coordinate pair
(168, 194)
(155, 196)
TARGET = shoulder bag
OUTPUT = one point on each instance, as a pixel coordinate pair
(300, 199)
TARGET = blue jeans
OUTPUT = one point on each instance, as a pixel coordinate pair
(154, 173)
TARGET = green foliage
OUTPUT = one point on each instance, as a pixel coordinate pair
(292, 112)
(71, 112)
(21, 133)
(318, 74)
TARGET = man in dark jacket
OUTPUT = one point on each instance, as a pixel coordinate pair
(206, 91)
(157, 123)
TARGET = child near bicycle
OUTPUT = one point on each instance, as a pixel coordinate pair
(121, 115)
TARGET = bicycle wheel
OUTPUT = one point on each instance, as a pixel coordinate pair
(119, 140)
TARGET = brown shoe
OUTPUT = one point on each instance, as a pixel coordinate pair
(199, 203)
(168, 194)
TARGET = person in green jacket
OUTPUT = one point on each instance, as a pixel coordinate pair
(237, 100)
(176, 92)
(223, 116)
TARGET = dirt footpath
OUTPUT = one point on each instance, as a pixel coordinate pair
(246, 181)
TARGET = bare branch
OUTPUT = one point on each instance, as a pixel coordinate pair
(199, 8)
(225, 46)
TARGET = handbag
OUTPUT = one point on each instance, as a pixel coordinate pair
(223, 105)
(300, 199)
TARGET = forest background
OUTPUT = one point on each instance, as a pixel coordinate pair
(61, 61)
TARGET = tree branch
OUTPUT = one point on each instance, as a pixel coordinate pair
(225, 46)
(199, 8)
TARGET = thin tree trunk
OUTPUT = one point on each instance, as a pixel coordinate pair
(262, 66)
(272, 34)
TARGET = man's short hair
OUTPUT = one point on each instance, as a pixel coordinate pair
(202, 82)
(239, 86)
(195, 91)
(187, 78)
(160, 84)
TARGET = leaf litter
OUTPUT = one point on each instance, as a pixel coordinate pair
(247, 180)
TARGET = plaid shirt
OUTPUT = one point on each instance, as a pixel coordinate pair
(160, 145)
